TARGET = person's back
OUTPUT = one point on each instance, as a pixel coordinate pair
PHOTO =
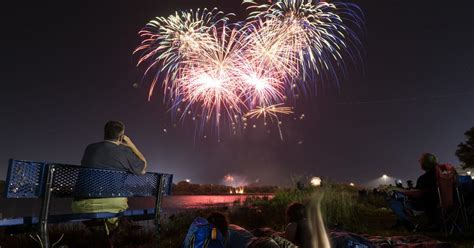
(116, 152)
(108, 155)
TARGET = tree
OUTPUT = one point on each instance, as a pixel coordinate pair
(465, 151)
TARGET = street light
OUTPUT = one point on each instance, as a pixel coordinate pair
(384, 177)
(316, 181)
(469, 173)
(351, 184)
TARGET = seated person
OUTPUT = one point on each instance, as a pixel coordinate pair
(239, 237)
(423, 198)
(236, 236)
(117, 152)
(297, 231)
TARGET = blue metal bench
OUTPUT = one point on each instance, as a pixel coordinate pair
(29, 179)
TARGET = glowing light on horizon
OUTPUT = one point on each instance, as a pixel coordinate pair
(316, 181)
(240, 190)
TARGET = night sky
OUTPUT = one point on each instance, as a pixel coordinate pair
(67, 68)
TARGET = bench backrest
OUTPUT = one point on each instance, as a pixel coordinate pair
(27, 179)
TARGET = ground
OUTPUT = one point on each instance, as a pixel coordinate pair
(345, 210)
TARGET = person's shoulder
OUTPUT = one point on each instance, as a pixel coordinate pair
(96, 144)
(291, 226)
(124, 148)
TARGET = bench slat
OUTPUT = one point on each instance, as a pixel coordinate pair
(62, 218)
(25, 179)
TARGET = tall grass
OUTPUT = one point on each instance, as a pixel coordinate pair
(341, 206)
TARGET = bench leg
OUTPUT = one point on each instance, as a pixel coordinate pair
(46, 202)
(159, 195)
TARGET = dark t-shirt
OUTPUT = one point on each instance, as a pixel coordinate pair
(107, 155)
(427, 183)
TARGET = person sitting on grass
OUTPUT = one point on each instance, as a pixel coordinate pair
(297, 231)
(423, 198)
(116, 152)
(238, 237)
(235, 236)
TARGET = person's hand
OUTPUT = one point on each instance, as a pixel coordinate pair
(126, 140)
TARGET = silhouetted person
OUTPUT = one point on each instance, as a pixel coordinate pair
(423, 198)
(297, 231)
(410, 185)
(116, 152)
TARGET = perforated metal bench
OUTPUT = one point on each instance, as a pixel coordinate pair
(43, 180)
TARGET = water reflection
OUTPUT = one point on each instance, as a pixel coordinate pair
(202, 201)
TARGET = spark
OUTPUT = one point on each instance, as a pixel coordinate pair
(271, 111)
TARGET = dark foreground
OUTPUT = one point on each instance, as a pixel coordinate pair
(344, 211)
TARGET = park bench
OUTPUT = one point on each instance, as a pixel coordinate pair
(44, 180)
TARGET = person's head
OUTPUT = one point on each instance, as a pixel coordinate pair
(428, 161)
(219, 220)
(296, 212)
(114, 130)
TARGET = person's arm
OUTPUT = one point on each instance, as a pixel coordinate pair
(412, 193)
(415, 193)
(128, 142)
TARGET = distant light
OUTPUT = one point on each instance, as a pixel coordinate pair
(187, 180)
(384, 176)
(352, 184)
(316, 181)
(468, 173)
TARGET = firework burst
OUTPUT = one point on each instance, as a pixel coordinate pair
(169, 43)
(312, 35)
(222, 71)
(210, 82)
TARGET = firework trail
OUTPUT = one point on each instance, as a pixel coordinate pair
(226, 72)
(271, 111)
